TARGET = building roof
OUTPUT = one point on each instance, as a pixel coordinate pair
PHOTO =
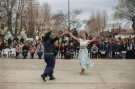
(127, 31)
(105, 33)
(117, 31)
(122, 31)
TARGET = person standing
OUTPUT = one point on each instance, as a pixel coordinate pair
(123, 49)
(0, 48)
(50, 54)
(129, 50)
(102, 49)
(83, 57)
(62, 50)
(110, 48)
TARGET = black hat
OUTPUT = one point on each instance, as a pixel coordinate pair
(48, 34)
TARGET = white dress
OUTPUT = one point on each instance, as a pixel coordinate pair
(83, 57)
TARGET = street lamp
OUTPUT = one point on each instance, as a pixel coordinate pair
(69, 15)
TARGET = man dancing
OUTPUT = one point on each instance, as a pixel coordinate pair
(50, 45)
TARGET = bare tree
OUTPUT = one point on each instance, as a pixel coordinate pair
(74, 21)
(14, 11)
(125, 10)
(97, 22)
(104, 19)
(46, 16)
(31, 18)
(57, 23)
(37, 19)
(19, 14)
(8, 6)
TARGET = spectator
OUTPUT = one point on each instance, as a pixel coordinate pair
(123, 49)
(40, 50)
(68, 54)
(70, 39)
(102, 49)
(0, 46)
(129, 50)
(94, 51)
(9, 41)
(4, 41)
(66, 50)
(32, 50)
(6, 45)
(16, 39)
(62, 50)
(18, 50)
(110, 49)
(22, 40)
(117, 50)
(133, 49)
(71, 49)
(75, 33)
(113, 49)
(56, 47)
(66, 39)
(25, 50)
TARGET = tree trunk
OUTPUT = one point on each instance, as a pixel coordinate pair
(133, 25)
(30, 32)
(16, 30)
(9, 23)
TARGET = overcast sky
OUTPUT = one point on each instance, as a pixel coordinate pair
(86, 6)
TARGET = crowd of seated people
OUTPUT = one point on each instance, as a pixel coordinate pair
(103, 47)
(23, 47)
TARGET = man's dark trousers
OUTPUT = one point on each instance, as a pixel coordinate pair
(50, 61)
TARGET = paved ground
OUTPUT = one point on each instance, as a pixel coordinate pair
(107, 74)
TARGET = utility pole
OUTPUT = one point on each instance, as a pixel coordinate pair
(69, 15)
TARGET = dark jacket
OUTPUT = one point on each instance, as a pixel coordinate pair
(22, 40)
(110, 46)
(117, 48)
(9, 41)
(16, 39)
(25, 47)
(123, 47)
(49, 45)
(0, 47)
(102, 46)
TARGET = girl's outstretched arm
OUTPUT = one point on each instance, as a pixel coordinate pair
(70, 34)
(94, 39)
(62, 34)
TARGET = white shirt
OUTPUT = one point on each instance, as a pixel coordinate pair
(83, 42)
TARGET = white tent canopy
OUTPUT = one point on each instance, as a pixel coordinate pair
(8, 35)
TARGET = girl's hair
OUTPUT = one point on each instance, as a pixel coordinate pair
(83, 32)
(86, 35)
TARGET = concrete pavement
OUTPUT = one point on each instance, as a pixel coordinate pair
(107, 74)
